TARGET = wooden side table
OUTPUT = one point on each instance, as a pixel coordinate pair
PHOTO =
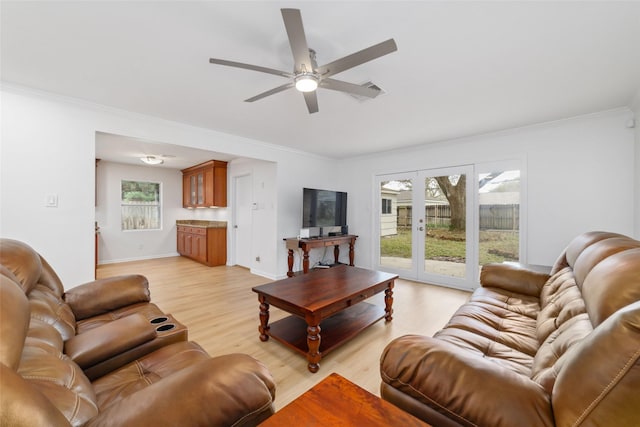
(336, 401)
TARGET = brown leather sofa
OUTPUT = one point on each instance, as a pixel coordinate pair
(142, 373)
(529, 349)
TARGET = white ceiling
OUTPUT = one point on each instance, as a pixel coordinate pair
(462, 68)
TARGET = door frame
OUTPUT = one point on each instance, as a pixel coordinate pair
(417, 272)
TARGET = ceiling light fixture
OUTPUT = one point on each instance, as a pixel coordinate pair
(152, 160)
(306, 82)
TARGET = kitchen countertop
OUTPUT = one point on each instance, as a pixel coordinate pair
(202, 223)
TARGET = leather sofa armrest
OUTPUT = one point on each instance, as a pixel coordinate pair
(108, 340)
(105, 295)
(229, 390)
(513, 277)
(463, 385)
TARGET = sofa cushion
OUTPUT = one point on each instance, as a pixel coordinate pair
(14, 320)
(612, 284)
(190, 388)
(55, 375)
(49, 307)
(598, 384)
(498, 324)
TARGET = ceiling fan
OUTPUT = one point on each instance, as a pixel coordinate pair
(307, 76)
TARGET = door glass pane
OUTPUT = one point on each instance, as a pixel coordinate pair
(499, 203)
(445, 225)
(201, 188)
(396, 245)
(193, 188)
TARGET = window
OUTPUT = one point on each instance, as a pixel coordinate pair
(140, 205)
(386, 206)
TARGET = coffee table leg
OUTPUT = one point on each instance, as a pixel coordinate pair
(388, 302)
(313, 344)
(264, 318)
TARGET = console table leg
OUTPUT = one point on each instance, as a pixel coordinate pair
(351, 252)
(313, 343)
(264, 319)
(290, 263)
(305, 261)
(336, 253)
(388, 302)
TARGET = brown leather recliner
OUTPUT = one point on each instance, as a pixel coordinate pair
(142, 379)
(529, 349)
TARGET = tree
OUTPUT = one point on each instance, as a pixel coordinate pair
(454, 189)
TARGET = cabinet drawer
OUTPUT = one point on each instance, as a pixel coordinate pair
(199, 231)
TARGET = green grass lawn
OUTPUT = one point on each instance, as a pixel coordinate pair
(442, 244)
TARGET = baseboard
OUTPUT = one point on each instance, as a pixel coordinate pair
(115, 261)
(263, 274)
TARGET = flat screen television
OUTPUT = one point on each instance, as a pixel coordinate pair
(323, 208)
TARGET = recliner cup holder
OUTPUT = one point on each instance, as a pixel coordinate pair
(166, 327)
(157, 320)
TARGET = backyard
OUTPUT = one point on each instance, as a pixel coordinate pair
(445, 245)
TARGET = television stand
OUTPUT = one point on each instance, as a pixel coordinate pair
(318, 242)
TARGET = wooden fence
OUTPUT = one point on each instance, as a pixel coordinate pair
(140, 216)
(492, 217)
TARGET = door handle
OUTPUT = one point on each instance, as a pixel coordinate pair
(420, 228)
(235, 226)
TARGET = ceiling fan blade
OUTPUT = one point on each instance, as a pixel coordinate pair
(250, 67)
(360, 57)
(271, 92)
(298, 41)
(311, 98)
(349, 88)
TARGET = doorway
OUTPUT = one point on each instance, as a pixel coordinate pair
(426, 225)
(242, 220)
(441, 225)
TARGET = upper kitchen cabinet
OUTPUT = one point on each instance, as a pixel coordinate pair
(205, 185)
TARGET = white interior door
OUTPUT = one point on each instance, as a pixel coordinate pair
(242, 222)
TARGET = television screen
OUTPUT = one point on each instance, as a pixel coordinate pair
(324, 208)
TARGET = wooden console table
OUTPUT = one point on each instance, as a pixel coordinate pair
(318, 242)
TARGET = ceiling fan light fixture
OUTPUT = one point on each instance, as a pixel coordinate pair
(306, 82)
(152, 160)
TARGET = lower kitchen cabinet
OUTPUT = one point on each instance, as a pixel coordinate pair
(207, 245)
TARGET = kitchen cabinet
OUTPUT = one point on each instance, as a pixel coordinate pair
(205, 185)
(206, 244)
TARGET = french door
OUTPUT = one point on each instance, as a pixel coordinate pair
(441, 225)
(426, 226)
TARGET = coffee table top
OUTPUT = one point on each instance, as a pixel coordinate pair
(337, 283)
(335, 401)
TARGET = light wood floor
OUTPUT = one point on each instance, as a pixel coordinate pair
(221, 312)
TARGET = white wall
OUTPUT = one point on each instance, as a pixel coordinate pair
(48, 146)
(579, 175)
(116, 245)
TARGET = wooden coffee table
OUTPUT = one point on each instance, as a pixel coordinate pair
(330, 297)
(335, 401)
